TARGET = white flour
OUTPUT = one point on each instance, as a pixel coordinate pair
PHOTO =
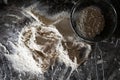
(39, 46)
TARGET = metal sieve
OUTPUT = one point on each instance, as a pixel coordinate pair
(110, 17)
(107, 10)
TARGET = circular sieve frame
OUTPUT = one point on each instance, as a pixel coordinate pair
(108, 11)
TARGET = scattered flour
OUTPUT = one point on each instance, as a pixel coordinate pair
(38, 48)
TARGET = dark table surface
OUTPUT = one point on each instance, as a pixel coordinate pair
(107, 52)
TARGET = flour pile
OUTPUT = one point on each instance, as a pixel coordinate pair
(40, 45)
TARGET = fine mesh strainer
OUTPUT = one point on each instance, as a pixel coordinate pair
(110, 16)
(107, 10)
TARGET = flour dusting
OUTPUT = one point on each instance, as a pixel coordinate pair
(40, 45)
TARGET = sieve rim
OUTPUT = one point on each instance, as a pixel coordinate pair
(74, 27)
